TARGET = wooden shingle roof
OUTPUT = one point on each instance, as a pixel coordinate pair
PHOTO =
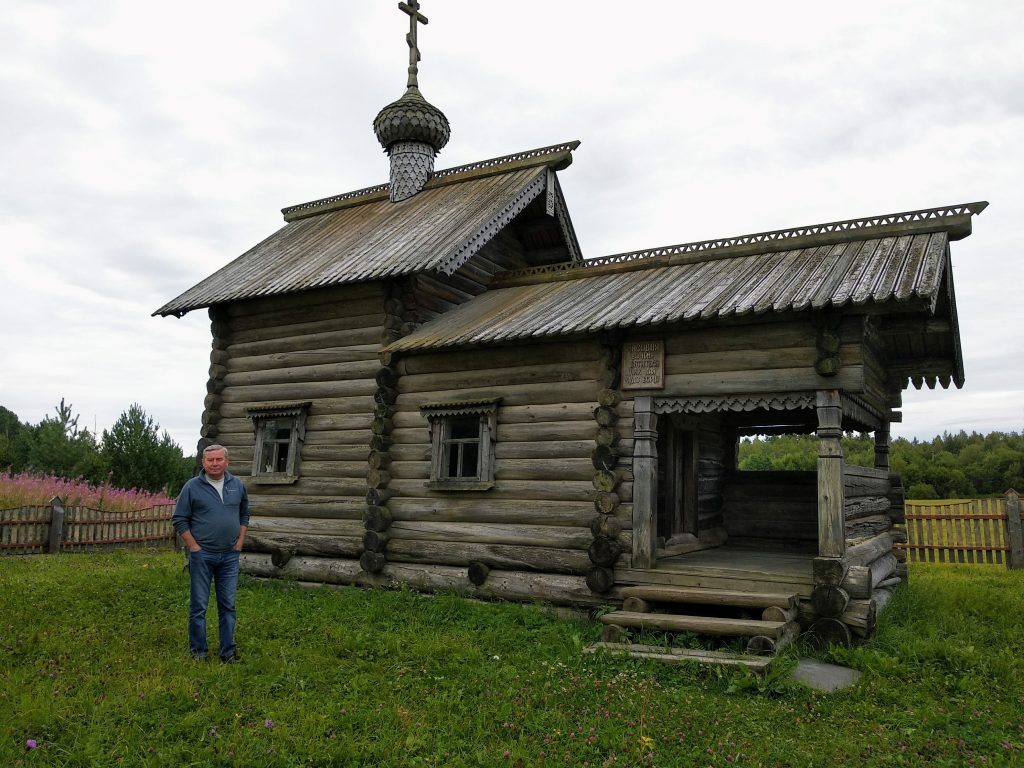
(363, 236)
(900, 261)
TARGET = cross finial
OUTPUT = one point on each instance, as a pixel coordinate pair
(413, 9)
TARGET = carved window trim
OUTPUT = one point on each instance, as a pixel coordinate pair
(441, 418)
(269, 467)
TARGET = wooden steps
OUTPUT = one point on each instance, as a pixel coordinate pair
(701, 596)
(660, 609)
(701, 625)
(676, 655)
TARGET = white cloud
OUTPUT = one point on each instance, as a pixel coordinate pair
(142, 148)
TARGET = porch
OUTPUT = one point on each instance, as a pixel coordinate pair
(732, 567)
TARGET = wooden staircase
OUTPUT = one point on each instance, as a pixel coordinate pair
(678, 609)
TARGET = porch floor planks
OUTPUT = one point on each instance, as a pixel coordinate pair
(728, 568)
(677, 655)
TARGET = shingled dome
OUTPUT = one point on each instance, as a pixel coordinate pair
(412, 118)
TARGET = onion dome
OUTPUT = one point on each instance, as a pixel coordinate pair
(412, 118)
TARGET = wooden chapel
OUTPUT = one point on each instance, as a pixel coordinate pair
(425, 383)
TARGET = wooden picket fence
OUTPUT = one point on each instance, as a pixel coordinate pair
(53, 528)
(979, 531)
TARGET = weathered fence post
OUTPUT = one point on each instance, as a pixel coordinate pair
(56, 526)
(1013, 529)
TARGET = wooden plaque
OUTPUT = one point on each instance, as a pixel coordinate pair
(643, 364)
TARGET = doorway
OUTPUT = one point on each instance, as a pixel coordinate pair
(678, 461)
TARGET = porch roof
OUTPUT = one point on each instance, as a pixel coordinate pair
(896, 264)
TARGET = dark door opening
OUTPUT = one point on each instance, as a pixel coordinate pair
(677, 483)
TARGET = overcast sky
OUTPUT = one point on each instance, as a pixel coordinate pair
(143, 146)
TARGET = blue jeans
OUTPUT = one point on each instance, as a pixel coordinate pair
(222, 569)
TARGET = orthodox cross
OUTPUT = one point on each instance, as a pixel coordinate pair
(413, 9)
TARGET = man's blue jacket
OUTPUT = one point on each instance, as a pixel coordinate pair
(214, 523)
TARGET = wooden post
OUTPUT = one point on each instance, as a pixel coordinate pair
(56, 526)
(882, 446)
(1013, 530)
(645, 482)
(831, 516)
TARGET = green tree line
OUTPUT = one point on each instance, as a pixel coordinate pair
(949, 466)
(133, 453)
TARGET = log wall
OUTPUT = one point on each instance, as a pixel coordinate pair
(776, 507)
(321, 347)
(540, 515)
(777, 356)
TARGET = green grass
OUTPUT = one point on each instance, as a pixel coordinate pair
(93, 667)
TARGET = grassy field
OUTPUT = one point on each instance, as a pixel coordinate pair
(94, 672)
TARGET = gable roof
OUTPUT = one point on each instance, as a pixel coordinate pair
(901, 260)
(363, 236)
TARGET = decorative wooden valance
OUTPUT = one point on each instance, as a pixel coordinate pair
(269, 410)
(460, 407)
(791, 401)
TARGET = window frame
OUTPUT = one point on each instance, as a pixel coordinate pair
(440, 418)
(262, 416)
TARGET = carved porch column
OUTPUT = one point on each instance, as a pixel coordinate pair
(645, 482)
(882, 446)
(831, 518)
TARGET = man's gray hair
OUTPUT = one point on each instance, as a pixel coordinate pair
(215, 447)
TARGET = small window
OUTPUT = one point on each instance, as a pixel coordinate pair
(280, 430)
(462, 444)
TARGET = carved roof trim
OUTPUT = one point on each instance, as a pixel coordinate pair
(556, 156)
(954, 219)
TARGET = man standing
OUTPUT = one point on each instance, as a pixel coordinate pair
(212, 516)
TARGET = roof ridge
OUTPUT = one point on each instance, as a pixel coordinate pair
(773, 240)
(523, 159)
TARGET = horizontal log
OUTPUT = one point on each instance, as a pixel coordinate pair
(545, 449)
(541, 355)
(257, 328)
(551, 430)
(339, 437)
(763, 333)
(520, 414)
(523, 490)
(315, 526)
(757, 359)
(345, 371)
(870, 550)
(312, 507)
(321, 300)
(865, 506)
(487, 510)
(519, 558)
(867, 526)
(304, 544)
(517, 375)
(850, 379)
(262, 393)
(856, 486)
(557, 537)
(316, 486)
(509, 469)
(510, 394)
(862, 580)
(347, 338)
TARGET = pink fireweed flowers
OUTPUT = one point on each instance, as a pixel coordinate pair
(25, 489)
